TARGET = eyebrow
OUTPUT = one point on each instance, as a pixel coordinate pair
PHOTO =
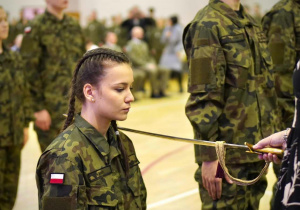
(121, 83)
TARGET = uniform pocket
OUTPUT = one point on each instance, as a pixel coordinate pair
(101, 192)
(101, 196)
(238, 58)
(206, 69)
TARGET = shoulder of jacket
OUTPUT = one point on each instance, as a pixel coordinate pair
(281, 6)
(35, 25)
(72, 21)
(127, 142)
(59, 142)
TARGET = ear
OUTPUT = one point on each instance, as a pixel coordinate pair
(89, 92)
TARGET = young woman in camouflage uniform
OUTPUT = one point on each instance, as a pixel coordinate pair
(14, 118)
(91, 165)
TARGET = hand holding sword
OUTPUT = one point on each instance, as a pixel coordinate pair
(277, 140)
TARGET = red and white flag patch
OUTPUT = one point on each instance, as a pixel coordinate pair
(57, 178)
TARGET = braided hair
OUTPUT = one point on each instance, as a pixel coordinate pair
(90, 69)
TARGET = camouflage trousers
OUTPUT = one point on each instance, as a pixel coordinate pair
(9, 175)
(234, 196)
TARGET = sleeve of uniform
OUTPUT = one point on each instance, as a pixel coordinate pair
(279, 28)
(205, 85)
(31, 53)
(60, 183)
(27, 101)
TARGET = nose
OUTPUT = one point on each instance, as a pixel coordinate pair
(129, 98)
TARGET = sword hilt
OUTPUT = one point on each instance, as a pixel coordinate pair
(275, 151)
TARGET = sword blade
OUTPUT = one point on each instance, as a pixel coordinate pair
(180, 139)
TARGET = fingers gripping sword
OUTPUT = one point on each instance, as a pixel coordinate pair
(247, 146)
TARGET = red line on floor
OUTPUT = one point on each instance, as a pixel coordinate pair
(158, 160)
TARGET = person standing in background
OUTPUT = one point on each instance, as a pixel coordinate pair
(50, 48)
(15, 115)
(282, 27)
(142, 61)
(154, 34)
(170, 58)
(232, 99)
(95, 30)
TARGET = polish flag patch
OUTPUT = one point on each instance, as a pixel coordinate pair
(57, 178)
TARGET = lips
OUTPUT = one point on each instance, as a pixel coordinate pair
(127, 109)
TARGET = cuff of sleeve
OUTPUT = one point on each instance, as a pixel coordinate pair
(205, 153)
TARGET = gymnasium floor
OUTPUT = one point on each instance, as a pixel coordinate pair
(168, 167)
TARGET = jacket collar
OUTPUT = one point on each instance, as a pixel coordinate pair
(97, 139)
(225, 10)
(53, 18)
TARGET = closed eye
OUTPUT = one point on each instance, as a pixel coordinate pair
(119, 90)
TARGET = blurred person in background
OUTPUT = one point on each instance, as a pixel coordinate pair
(154, 35)
(118, 30)
(282, 28)
(95, 30)
(17, 43)
(15, 115)
(137, 18)
(51, 46)
(142, 61)
(111, 41)
(257, 14)
(170, 58)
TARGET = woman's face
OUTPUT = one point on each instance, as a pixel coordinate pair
(3, 25)
(113, 94)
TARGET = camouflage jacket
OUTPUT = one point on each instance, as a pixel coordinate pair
(282, 27)
(231, 85)
(93, 176)
(95, 32)
(51, 48)
(15, 103)
(138, 52)
(112, 46)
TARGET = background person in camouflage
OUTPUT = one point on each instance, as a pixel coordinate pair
(282, 27)
(50, 49)
(95, 30)
(14, 117)
(232, 99)
(97, 164)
